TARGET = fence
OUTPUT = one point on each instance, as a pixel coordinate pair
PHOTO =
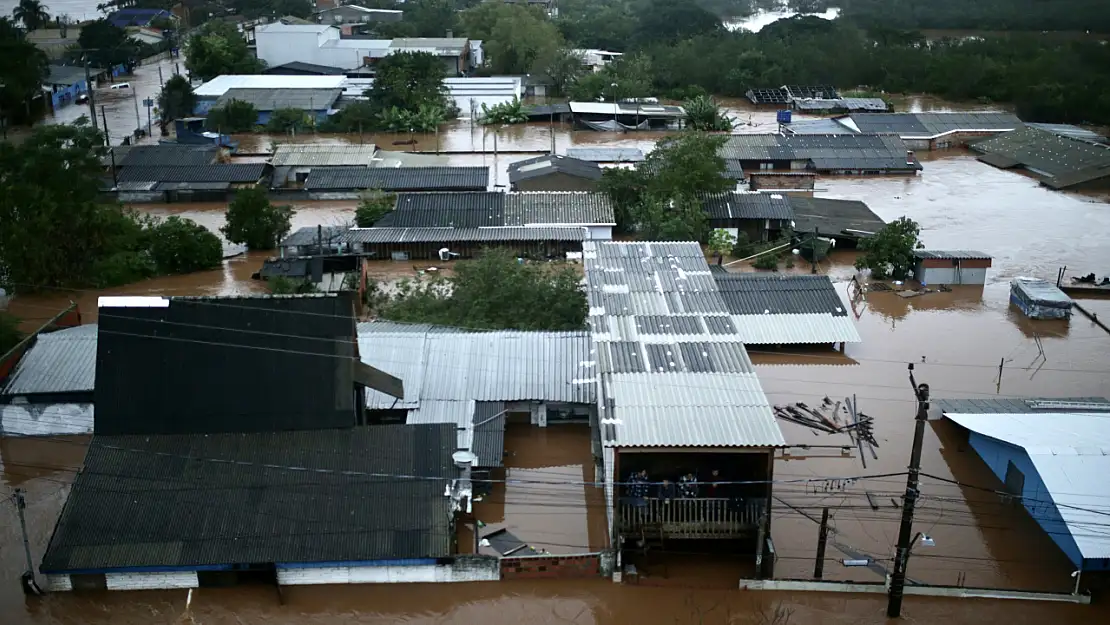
(703, 517)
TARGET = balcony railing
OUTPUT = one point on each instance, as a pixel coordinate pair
(690, 518)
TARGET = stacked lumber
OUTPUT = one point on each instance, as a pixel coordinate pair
(827, 418)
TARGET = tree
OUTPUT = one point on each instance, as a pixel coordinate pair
(253, 221)
(664, 20)
(297, 8)
(32, 14)
(10, 336)
(288, 120)
(702, 113)
(563, 67)
(235, 116)
(889, 254)
(281, 285)
(494, 291)
(23, 71)
(631, 75)
(374, 205)
(673, 217)
(516, 38)
(423, 18)
(721, 242)
(219, 49)
(180, 245)
(504, 113)
(105, 44)
(406, 80)
(176, 100)
(353, 117)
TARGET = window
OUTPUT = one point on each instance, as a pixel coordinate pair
(1015, 480)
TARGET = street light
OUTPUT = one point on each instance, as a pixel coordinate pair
(615, 107)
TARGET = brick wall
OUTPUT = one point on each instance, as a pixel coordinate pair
(759, 181)
(552, 567)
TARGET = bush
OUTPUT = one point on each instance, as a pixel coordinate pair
(504, 113)
(281, 285)
(374, 206)
(181, 245)
(253, 221)
(889, 254)
(122, 268)
(288, 120)
(743, 247)
(354, 117)
(687, 92)
(235, 116)
(767, 261)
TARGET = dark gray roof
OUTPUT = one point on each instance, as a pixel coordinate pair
(768, 96)
(553, 164)
(932, 124)
(735, 205)
(219, 172)
(464, 235)
(192, 186)
(68, 74)
(558, 207)
(812, 91)
(1005, 405)
(489, 433)
(825, 152)
(759, 294)
(273, 99)
(1068, 130)
(459, 210)
(187, 365)
(283, 497)
(841, 104)
(399, 178)
(309, 235)
(298, 68)
(166, 155)
(606, 154)
(951, 254)
(63, 361)
(1060, 161)
(833, 217)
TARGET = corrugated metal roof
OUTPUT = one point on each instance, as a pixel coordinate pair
(167, 155)
(951, 254)
(221, 84)
(316, 155)
(460, 365)
(760, 294)
(281, 98)
(440, 210)
(309, 235)
(795, 329)
(606, 155)
(553, 164)
(59, 362)
(826, 152)
(1071, 453)
(46, 419)
(283, 497)
(737, 205)
(463, 235)
(488, 433)
(1046, 153)
(399, 178)
(1040, 291)
(834, 218)
(218, 172)
(673, 374)
(1016, 405)
(817, 127)
(1068, 130)
(558, 208)
(398, 354)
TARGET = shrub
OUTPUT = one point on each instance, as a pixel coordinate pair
(181, 245)
(767, 261)
(253, 221)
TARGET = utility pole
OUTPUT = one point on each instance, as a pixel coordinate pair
(905, 531)
(138, 119)
(104, 116)
(89, 88)
(822, 540)
(29, 585)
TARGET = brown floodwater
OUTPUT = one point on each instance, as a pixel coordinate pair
(957, 341)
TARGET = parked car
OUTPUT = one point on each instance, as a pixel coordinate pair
(121, 85)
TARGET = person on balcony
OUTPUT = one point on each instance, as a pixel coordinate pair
(667, 491)
(638, 485)
(714, 488)
(688, 486)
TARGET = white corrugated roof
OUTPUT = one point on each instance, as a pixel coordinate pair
(786, 329)
(219, 85)
(1071, 452)
(59, 362)
(317, 155)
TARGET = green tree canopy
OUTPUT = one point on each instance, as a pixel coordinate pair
(494, 291)
(423, 18)
(10, 336)
(889, 254)
(176, 99)
(22, 72)
(288, 120)
(105, 44)
(517, 39)
(373, 206)
(406, 80)
(219, 49)
(32, 14)
(235, 116)
(253, 221)
(180, 245)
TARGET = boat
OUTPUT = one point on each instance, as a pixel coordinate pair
(815, 249)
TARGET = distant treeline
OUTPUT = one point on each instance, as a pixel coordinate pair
(1017, 15)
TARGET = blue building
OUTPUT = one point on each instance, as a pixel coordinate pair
(66, 82)
(137, 17)
(1054, 456)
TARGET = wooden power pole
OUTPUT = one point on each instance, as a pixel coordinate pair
(905, 531)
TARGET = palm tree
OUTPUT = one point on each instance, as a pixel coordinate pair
(32, 13)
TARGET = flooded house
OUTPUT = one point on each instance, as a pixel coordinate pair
(1058, 161)
(920, 131)
(178, 173)
(554, 173)
(935, 267)
(293, 162)
(201, 472)
(686, 435)
(841, 154)
(844, 221)
(1050, 457)
(48, 389)
(342, 182)
(761, 217)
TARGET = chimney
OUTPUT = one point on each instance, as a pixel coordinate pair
(450, 34)
(910, 160)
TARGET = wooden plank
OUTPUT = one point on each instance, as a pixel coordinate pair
(871, 500)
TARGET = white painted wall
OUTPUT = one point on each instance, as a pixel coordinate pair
(949, 275)
(151, 581)
(600, 233)
(58, 583)
(430, 573)
(23, 419)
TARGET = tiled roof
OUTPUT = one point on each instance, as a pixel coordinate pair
(951, 254)
(825, 152)
(1059, 161)
(59, 362)
(274, 99)
(399, 178)
(674, 372)
(558, 207)
(165, 155)
(316, 155)
(282, 497)
(220, 172)
(553, 164)
(180, 365)
(834, 218)
(733, 205)
(464, 235)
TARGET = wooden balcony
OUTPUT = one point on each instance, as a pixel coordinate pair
(690, 518)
